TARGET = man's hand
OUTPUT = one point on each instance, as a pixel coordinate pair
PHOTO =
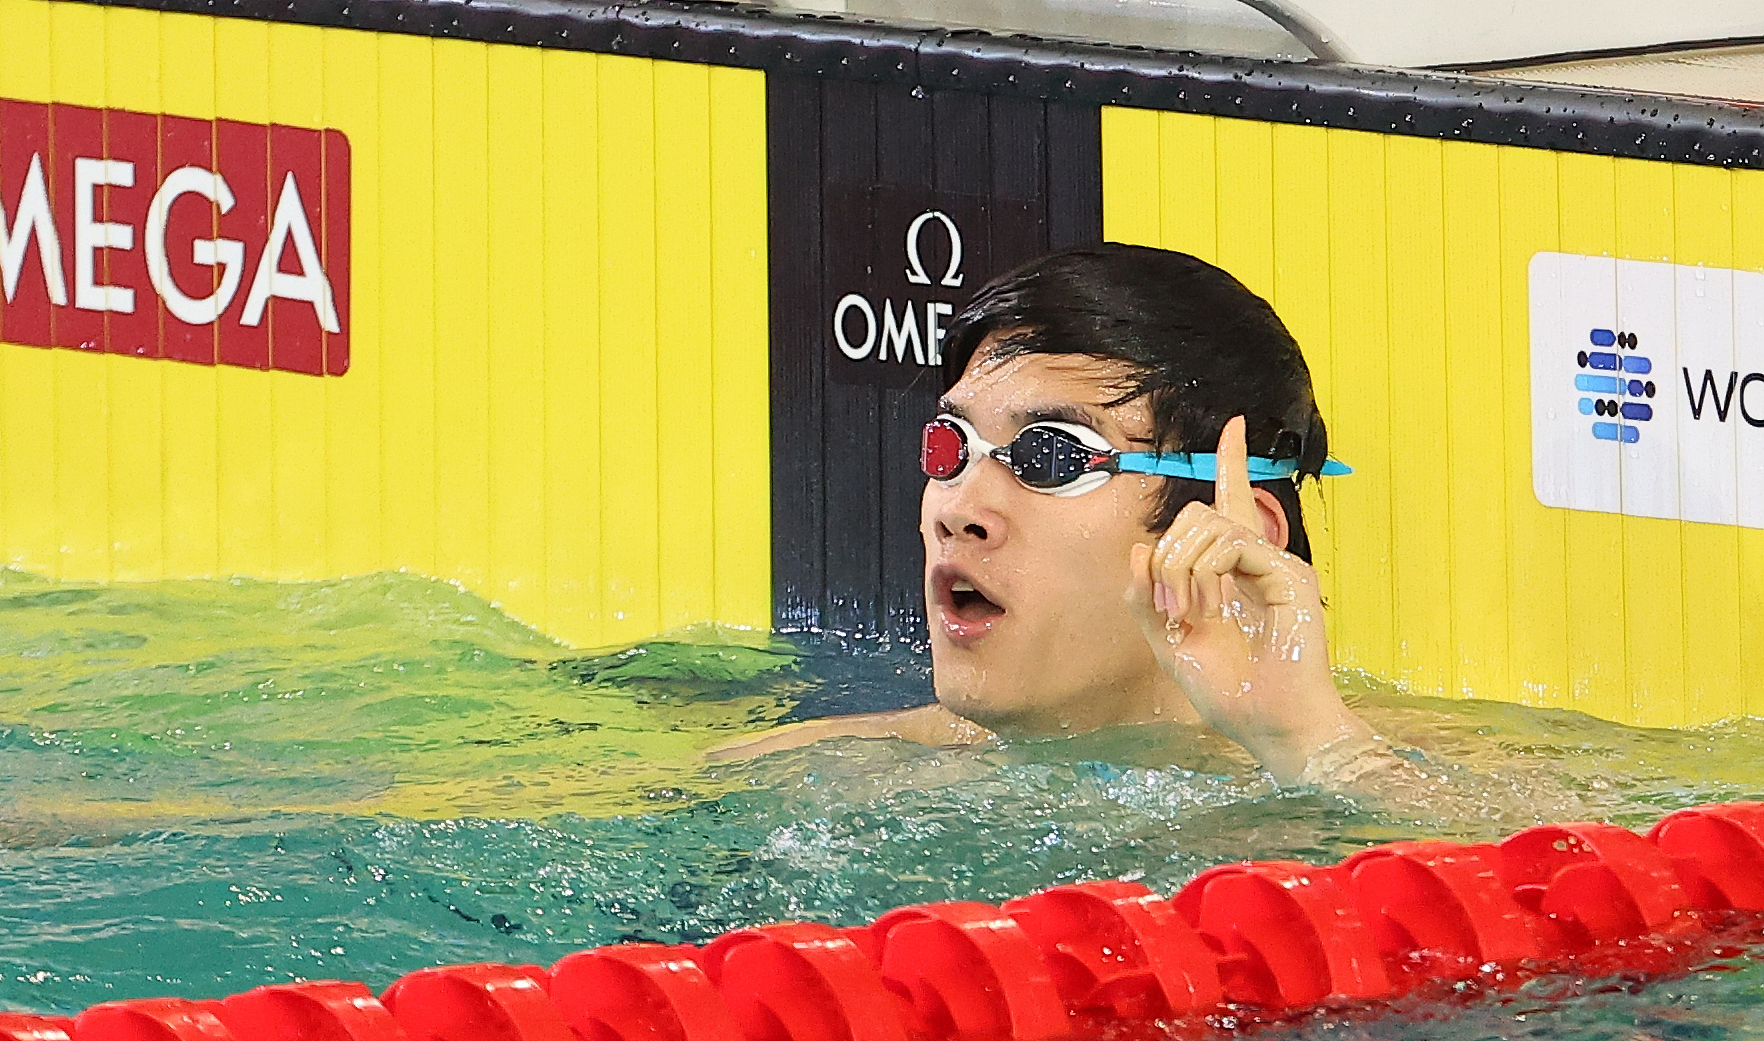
(1238, 623)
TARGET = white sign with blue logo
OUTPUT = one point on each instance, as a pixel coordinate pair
(1647, 388)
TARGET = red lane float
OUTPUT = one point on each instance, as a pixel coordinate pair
(1439, 911)
(1241, 943)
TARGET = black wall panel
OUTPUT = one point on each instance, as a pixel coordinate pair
(890, 204)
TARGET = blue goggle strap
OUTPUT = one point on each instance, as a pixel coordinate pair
(1202, 466)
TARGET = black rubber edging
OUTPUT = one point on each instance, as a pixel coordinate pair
(1415, 103)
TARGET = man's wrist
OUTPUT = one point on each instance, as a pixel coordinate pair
(1323, 743)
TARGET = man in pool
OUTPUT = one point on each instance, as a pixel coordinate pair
(1112, 525)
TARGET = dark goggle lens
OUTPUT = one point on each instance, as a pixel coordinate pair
(943, 450)
(1047, 457)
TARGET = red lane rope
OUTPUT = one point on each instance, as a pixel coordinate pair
(1239, 945)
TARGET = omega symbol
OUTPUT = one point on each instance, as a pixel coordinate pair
(915, 271)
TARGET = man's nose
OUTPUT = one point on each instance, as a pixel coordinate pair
(973, 513)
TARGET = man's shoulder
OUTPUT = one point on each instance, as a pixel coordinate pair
(926, 725)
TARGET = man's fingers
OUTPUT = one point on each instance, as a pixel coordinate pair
(1232, 496)
(1255, 564)
(1151, 600)
(1196, 529)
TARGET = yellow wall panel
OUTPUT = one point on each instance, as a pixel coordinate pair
(354, 452)
(1192, 217)
(400, 348)
(741, 389)
(1710, 583)
(1537, 637)
(1475, 401)
(1131, 185)
(516, 362)
(1653, 561)
(571, 187)
(297, 414)
(1420, 554)
(189, 433)
(1360, 366)
(80, 393)
(683, 176)
(1748, 253)
(1593, 554)
(1402, 266)
(245, 474)
(461, 299)
(28, 519)
(1243, 160)
(557, 311)
(630, 534)
(134, 498)
(1301, 247)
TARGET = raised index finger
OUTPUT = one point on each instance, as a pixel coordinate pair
(1232, 497)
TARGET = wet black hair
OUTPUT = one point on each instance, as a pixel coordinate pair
(1200, 346)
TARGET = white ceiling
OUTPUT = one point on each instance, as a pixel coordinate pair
(1427, 33)
(1727, 73)
(1394, 33)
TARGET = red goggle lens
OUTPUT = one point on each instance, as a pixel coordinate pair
(943, 450)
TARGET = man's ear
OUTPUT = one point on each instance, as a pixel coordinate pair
(1274, 526)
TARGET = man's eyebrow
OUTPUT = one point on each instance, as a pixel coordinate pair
(1061, 412)
(1057, 412)
(945, 406)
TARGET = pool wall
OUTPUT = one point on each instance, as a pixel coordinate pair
(1403, 264)
(626, 317)
(539, 240)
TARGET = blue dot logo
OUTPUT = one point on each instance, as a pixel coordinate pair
(1615, 388)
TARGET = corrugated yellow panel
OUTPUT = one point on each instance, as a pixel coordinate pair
(1748, 254)
(135, 492)
(403, 340)
(1536, 538)
(1244, 186)
(1403, 266)
(1131, 183)
(246, 478)
(1421, 453)
(1300, 233)
(190, 433)
(297, 402)
(1188, 204)
(630, 513)
(1653, 563)
(28, 517)
(1475, 401)
(740, 411)
(1301, 295)
(572, 346)
(686, 449)
(462, 319)
(1587, 201)
(81, 394)
(1703, 231)
(480, 422)
(516, 257)
(1360, 516)
(352, 446)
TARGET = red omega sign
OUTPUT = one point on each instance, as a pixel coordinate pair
(206, 241)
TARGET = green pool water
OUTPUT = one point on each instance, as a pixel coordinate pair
(209, 786)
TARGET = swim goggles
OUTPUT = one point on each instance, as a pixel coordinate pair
(1070, 459)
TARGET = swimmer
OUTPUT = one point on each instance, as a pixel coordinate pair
(1111, 521)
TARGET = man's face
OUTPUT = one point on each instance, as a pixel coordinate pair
(1030, 630)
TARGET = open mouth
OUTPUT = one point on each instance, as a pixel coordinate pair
(966, 611)
(969, 604)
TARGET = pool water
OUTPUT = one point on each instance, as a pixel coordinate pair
(215, 785)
